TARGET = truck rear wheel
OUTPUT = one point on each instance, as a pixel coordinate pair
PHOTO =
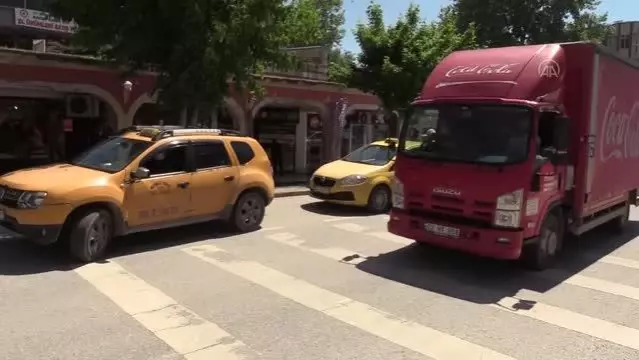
(543, 253)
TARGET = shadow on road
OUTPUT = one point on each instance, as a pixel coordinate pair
(20, 257)
(325, 208)
(486, 281)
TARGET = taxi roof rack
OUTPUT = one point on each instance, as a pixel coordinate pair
(164, 131)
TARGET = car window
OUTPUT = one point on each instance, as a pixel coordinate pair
(210, 155)
(166, 160)
(243, 151)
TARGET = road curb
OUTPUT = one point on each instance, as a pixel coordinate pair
(292, 193)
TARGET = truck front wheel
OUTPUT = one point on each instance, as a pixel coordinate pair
(542, 254)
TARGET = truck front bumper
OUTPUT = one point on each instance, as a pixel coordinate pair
(488, 242)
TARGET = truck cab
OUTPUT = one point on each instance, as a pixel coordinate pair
(499, 134)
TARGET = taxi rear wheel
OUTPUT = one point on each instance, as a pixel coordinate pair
(249, 212)
(90, 235)
(379, 200)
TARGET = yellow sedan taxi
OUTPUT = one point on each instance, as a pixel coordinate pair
(361, 178)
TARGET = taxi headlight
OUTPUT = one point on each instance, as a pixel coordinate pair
(31, 199)
(353, 180)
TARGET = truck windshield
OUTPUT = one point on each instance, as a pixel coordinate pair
(112, 155)
(371, 154)
(482, 134)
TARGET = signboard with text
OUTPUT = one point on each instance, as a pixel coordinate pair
(43, 21)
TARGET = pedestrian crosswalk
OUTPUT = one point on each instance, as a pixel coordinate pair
(452, 313)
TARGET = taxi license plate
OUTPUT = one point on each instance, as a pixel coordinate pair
(322, 189)
(442, 230)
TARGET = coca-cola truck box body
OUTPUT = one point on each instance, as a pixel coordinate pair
(596, 89)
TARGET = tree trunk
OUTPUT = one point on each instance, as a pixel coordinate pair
(195, 115)
(183, 116)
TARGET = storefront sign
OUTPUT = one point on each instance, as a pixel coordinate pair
(43, 21)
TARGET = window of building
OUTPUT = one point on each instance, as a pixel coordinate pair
(243, 151)
(166, 161)
(624, 42)
(211, 155)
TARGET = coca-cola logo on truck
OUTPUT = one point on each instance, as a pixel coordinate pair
(619, 132)
(485, 69)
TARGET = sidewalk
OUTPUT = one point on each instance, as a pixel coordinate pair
(291, 190)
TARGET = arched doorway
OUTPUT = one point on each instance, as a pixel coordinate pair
(291, 131)
(228, 116)
(46, 123)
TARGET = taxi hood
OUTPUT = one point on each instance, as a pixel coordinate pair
(340, 168)
(55, 176)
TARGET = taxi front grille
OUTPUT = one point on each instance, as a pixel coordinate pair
(323, 181)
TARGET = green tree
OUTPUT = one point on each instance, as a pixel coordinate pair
(196, 46)
(396, 60)
(518, 22)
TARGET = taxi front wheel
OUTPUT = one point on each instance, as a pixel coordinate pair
(379, 200)
(90, 235)
(248, 212)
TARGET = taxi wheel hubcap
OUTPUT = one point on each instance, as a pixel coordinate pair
(251, 210)
(380, 199)
(97, 235)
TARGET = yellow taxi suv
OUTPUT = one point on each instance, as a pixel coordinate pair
(361, 178)
(146, 178)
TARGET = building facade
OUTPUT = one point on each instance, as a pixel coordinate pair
(624, 40)
(47, 95)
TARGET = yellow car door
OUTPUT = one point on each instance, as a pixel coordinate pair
(215, 180)
(165, 195)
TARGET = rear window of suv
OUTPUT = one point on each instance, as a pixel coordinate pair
(243, 151)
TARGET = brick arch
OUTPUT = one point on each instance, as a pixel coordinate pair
(62, 88)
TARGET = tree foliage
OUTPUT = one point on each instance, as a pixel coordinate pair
(395, 60)
(518, 22)
(320, 22)
(196, 46)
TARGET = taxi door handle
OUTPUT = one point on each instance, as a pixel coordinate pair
(229, 178)
(183, 185)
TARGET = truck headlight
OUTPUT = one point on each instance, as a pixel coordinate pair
(31, 199)
(507, 218)
(353, 180)
(397, 188)
(511, 201)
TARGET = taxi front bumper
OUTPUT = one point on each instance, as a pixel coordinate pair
(41, 226)
(347, 195)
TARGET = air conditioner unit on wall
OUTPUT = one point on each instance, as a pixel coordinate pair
(82, 106)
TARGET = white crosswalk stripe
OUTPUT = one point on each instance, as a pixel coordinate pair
(421, 339)
(184, 331)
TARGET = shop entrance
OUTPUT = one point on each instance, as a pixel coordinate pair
(36, 132)
(275, 128)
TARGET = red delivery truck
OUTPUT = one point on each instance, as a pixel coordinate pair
(526, 145)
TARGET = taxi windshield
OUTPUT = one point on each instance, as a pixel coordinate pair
(371, 154)
(112, 155)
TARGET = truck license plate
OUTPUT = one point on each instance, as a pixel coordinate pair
(442, 230)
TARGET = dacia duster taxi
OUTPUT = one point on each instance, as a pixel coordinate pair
(144, 179)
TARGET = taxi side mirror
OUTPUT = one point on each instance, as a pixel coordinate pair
(140, 173)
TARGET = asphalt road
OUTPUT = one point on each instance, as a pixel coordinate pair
(317, 282)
